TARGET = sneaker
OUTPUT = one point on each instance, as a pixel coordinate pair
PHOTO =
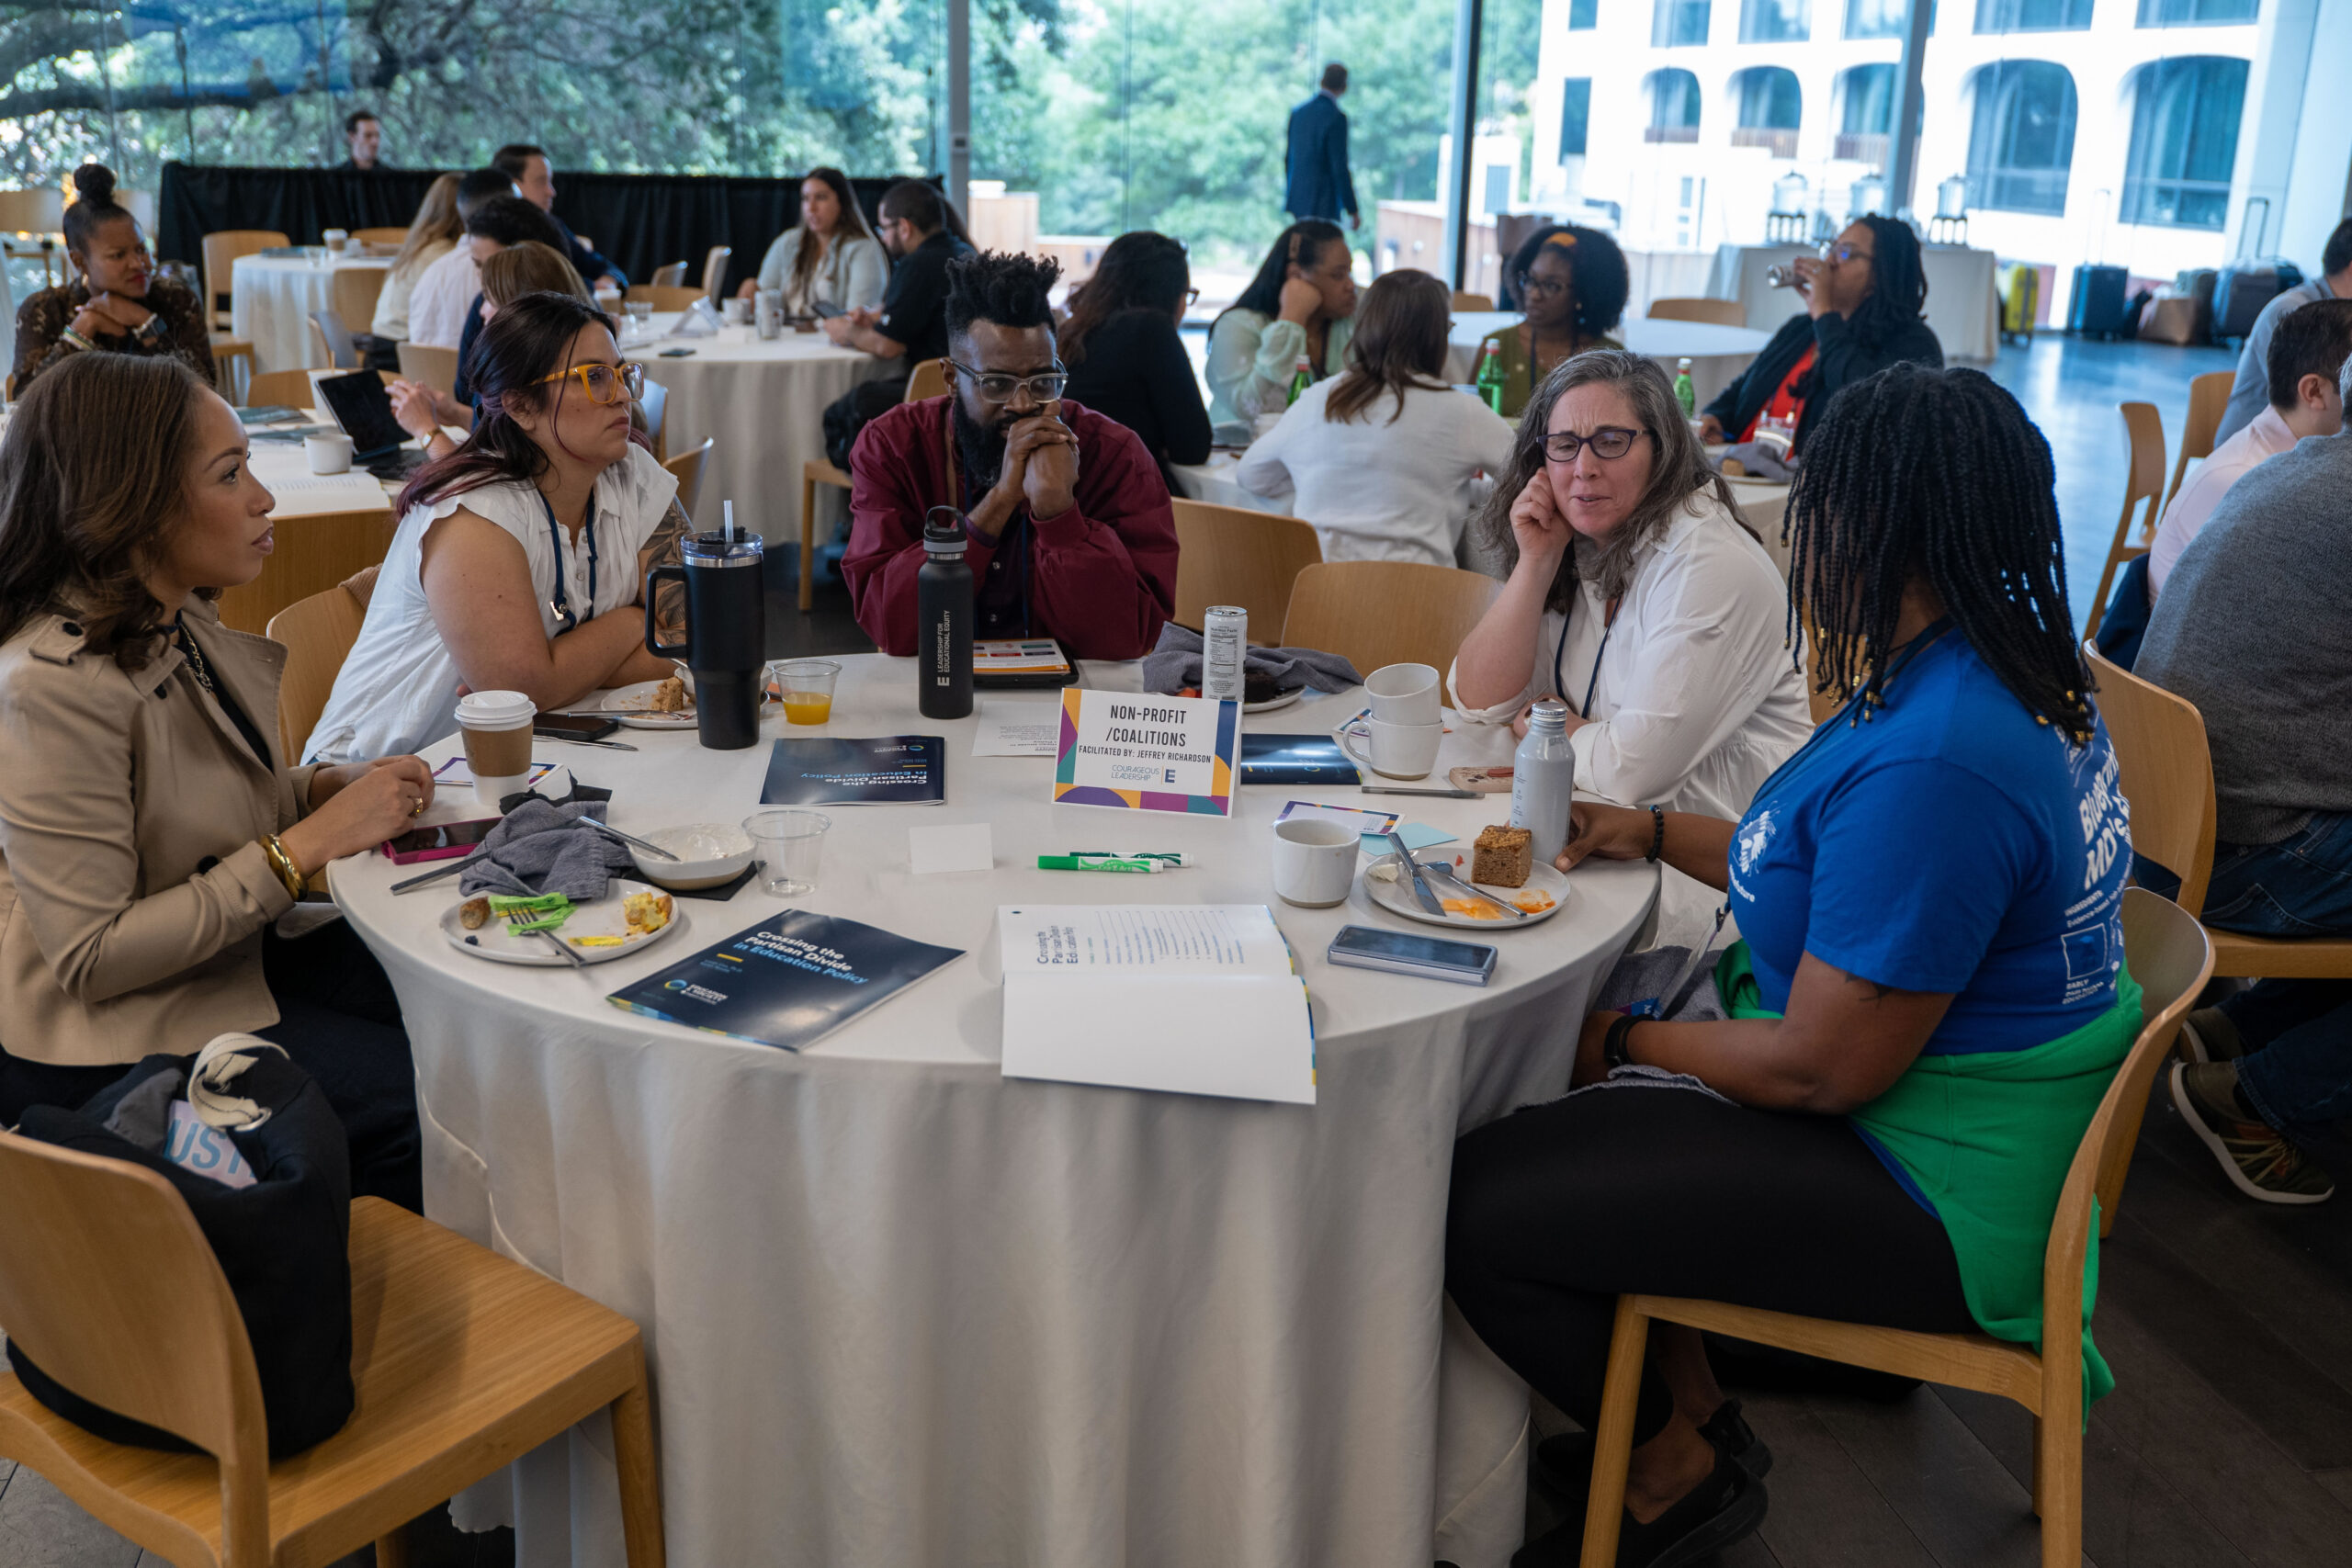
(1566, 1459)
(1723, 1509)
(2207, 1035)
(2258, 1159)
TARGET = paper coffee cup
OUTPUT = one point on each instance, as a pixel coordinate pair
(329, 453)
(497, 730)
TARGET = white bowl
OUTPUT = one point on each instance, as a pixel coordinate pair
(708, 854)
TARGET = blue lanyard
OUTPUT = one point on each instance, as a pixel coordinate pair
(1560, 651)
(561, 601)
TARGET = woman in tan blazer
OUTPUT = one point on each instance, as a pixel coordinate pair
(150, 833)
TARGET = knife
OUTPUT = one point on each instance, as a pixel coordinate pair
(1445, 874)
(1412, 868)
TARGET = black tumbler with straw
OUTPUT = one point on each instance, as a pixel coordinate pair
(725, 646)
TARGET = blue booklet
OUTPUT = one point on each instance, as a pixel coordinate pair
(788, 981)
(886, 769)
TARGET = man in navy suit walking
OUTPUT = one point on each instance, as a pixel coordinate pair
(1319, 185)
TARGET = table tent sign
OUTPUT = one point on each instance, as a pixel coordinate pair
(1142, 752)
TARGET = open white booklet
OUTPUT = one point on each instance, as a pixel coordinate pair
(1191, 999)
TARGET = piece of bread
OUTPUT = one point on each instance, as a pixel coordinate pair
(1502, 857)
(670, 697)
(474, 914)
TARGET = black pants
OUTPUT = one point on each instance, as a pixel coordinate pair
(1559, 1209)
(339, 1023)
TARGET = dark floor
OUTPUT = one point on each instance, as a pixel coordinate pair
(2228, 1440)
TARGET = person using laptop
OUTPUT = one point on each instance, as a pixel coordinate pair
(520, 558)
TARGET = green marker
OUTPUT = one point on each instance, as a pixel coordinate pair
(1097, 863)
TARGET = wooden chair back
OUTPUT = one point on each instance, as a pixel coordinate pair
(1720, 312)
(271, 388)
(1464, 300)
(713, 269)
(1383, 612)
(2165, 771)
(2208, 399)
(433, 367)
(686, 468)
(107, 1283)
(384, 234)
(674, 276)
(312, 555)
(665, 297)
(2172, 959)
(353, 290)
(2143, 483)
(927, 379)
(1229, 555)
(318, 633)
(221, 250)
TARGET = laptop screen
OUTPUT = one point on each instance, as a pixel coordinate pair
(364, 408)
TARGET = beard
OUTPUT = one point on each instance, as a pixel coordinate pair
(981, 445)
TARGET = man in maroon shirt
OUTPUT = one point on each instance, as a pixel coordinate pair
(1070, 532)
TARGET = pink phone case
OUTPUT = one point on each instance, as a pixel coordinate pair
(447, 851)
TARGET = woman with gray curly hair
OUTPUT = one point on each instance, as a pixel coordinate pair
(1634, 595)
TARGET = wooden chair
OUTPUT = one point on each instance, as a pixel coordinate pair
(220, 253)
(1384, 612)
(670, 277)
(2171, 959)
(1466, 300)
(233, 366)
(1721, 312)
(318, 633)
(312, 555)
(1229, 555)
(2208, 399)
(2144, 427)
(2167, 773)
(713, 269)
(387, 234)
(272, 389)
(665, 296)
(353, 291)
(686, 468)
(927, 379)
(433, 367)
(464, 1363)
(331, 341)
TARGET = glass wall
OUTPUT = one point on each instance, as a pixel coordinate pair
(2021, 143)
(2184, 138)
(1773, 21)
(1675, 23)
(2032, 15)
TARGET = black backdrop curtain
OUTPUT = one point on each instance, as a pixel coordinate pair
(640, 222)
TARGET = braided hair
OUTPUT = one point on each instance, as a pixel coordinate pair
(1939, 476)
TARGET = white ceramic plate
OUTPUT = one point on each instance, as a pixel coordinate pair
(641, 695)
(1271, 703)
(500, 944)
(1396, 896)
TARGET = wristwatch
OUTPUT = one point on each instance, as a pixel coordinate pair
(150, 331)
(1614, 1048)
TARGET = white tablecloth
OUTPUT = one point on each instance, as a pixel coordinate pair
(764, 403)
(1716, 353)
(902, 1310)
(1960, 305)
(270, 302)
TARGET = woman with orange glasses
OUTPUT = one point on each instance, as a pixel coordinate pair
(518, 559)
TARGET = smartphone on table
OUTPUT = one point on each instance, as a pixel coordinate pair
(1406, 953)
(575, 726)
(447, 841)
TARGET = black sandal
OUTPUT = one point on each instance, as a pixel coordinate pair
(1723, 1509)
(1566, 1460)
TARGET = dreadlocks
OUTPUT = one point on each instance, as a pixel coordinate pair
(1006, 288)
(1937, 475)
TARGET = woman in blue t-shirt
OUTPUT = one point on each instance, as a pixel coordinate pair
(1928, 1002)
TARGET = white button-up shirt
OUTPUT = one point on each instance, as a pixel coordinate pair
(1695, 698)
(2249, 449)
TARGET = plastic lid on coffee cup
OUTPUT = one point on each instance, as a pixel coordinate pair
(495, 710)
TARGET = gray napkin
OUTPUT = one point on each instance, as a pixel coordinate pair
(1176, 663)
(538, 847)
(1762, 461)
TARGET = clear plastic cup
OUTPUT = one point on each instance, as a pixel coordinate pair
(805, 686)
(641, 315)
(789, 845)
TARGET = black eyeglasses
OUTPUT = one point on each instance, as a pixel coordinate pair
(1191, 298)
(1000, 388)
(1547, 287)
(1610, 442)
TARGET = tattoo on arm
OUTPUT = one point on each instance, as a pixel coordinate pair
(1878, 993)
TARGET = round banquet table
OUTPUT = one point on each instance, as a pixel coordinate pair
(900, 1309)
(1716, 353)
(762, 403)
(271, 298)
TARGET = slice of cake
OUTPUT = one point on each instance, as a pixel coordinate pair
(1502, 857)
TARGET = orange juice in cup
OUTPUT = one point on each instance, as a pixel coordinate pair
(806, 688)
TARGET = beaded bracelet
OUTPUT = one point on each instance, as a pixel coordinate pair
(1657, 833)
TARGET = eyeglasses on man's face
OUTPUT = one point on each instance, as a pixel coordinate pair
(605, 383)
(995, 386)
(1607, 442)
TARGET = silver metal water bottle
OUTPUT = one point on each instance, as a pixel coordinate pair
(1543, 780)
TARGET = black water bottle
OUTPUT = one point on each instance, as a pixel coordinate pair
(943, 619)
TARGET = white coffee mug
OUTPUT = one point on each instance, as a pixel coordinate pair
(1403, 694)
(329, 453)
(1314, 863)
(1395, 751)
(738, 313)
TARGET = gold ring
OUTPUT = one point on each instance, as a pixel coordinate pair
(418, 809)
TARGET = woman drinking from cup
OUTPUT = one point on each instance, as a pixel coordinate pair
(117, 305)
(830, 256)
(1300, 306)
(1636, 596)
(1570, 285)
(519, 558)
(150, 832)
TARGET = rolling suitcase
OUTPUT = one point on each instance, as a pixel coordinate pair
(2094, 308)
(2247, 284)
(2020, 300)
